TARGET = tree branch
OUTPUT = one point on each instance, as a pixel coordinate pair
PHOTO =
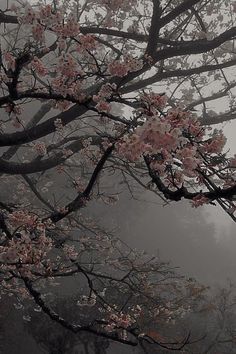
(81, 199)
(15, 168)
(175, 73)
(44, 128)
(71, 327)
(183, 193)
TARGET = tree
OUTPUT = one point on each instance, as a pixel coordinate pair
(67, 68)
(55, 339)
(211, 319)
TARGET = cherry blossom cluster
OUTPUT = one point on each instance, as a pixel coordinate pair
(9, 60)
(154, 101)
(165, 138)
(40, 148)
(121, 68)
(27, 251)
(104, 94)
(177, 147)
(199, 200)
(68, 66)
(86, 43)
(78, 55)
(70, 252)
(38, 66)
(64, 74)
(44, 16)
(23, 251)
(20, 218)
(87, 300)
(120, 320)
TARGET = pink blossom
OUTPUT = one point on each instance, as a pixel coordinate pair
(10, 60)
(39, 67)
(114, 5)
(103, 106)
(13, 109)
(38, 32)
(105, 92)
(155, 100)
(68, 66)
(21, 217)
(133, 64)
(87, 43)
(41, 149)
(62, 105)
(79, 184)
(70, 252)
(216, 143)
(71, 28)
(45, 11)
(67, 153)
(199, 200)
(116, 68)
(29, 16)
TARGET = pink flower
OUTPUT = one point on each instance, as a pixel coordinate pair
(62, 105)
(68, 66)
(216, 143)
(70, 252)
(155, 100)
(199, 200)
(87, 42)
(39, 67)
(116, 68)
(10, 60)
(45, 11)
(132, 63)
(190, 163)
(103, 106)
(38, 32)
(29, 16)
(41, 149)
(21, 217)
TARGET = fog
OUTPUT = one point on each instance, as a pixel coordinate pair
(188, 237)
(176, 232)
